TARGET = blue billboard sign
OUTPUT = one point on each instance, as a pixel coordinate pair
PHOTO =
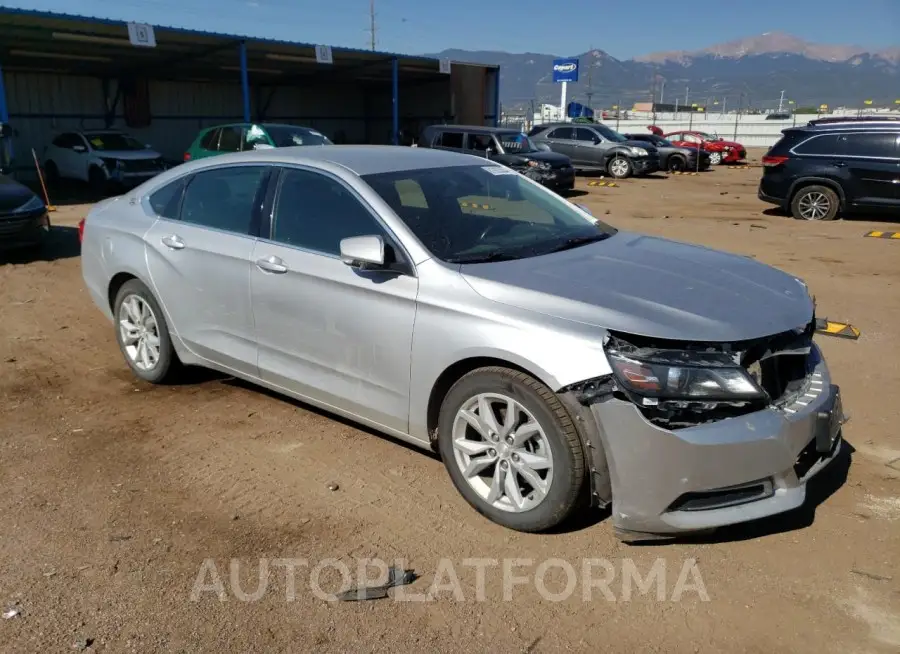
(565, 70)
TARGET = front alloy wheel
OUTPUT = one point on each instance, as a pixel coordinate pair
(715, 158)
(511, 449)
(506, 461)
(620, 168)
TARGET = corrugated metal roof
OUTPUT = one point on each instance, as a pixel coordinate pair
(48, 15)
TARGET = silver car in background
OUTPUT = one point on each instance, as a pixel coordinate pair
(459, 306)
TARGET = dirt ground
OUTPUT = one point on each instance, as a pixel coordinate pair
(113, 493)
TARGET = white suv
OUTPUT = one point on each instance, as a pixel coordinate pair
(100, 157)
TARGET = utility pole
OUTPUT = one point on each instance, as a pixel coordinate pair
(372, 24)
(662, 91)
(781, 102)
(687, 95)
(590, 89)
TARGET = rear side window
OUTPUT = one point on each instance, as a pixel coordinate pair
(223, 198)
(882, 145)
(166, 201)
(823, 144)
(450, 140)
(564, 133)
(210, 140)
(230, 141)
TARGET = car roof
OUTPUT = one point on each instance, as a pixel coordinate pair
(360, 159)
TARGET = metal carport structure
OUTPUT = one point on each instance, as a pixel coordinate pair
(64, 72)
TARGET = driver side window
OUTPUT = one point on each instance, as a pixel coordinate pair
(316, 212)
(480, 142)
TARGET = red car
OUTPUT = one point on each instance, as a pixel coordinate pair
(720, 151)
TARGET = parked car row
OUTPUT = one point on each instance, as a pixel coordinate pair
(101, 157)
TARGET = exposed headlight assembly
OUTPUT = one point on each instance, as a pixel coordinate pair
(639, 152)
(655, 374)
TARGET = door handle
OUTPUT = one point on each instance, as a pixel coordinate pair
(272, 264)
(173, 242)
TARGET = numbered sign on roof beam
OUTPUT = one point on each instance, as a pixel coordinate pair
(141, 35)
(444, 66)
(323, 54)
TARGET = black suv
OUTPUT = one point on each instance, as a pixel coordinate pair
(508, 147)
(833, 165)
(597, 147)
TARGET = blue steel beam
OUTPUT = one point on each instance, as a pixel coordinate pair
(245, 83)
(4, 108)
(395, 99)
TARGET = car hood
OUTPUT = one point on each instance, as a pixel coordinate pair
(12, 194)
(127, 155)
(650, 286)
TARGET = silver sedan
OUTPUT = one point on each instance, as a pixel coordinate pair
(459, 306)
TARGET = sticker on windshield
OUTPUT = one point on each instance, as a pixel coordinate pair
(499, 170)
(97, 143)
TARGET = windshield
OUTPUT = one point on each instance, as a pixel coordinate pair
(609, 134)
(475, 214)
(114, 142)
(284, 136)
(519, 143)
(708, 136)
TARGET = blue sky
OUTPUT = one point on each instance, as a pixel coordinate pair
(623, 29)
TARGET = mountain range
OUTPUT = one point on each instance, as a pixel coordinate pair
(750, 72)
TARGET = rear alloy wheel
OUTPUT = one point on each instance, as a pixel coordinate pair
(715, 158)
(815, 203)
(619, 167)
(511, 449)
(143, 335)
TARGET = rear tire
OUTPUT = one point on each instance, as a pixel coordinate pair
(143, 335)
(525, 472)
(815, 203)
(619, 167)
(716, 158)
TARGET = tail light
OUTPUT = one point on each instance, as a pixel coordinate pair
(81, 231)
(187, 156)
(770, 161)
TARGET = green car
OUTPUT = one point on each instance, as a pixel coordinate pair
(238, 137)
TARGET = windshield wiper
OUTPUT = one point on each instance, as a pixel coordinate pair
(485, 257)
(578, 241)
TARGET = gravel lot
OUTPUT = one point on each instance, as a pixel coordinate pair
(114, 493)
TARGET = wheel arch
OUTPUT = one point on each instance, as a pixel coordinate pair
(116, 283)
(456, 371)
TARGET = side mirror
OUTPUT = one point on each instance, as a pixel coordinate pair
(79, 148)
(584, 208)
(597, 140)
(363, 251)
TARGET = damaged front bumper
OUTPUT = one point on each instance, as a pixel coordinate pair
(665, 482)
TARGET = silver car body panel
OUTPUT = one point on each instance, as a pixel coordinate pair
(372, 347)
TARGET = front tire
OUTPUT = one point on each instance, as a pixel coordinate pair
(619, 167)
(815, 203)
(677, 163)
(52, 173)
(511, 449)
(143, 335)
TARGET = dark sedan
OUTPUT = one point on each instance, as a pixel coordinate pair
(672, 157)
(24, 221)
